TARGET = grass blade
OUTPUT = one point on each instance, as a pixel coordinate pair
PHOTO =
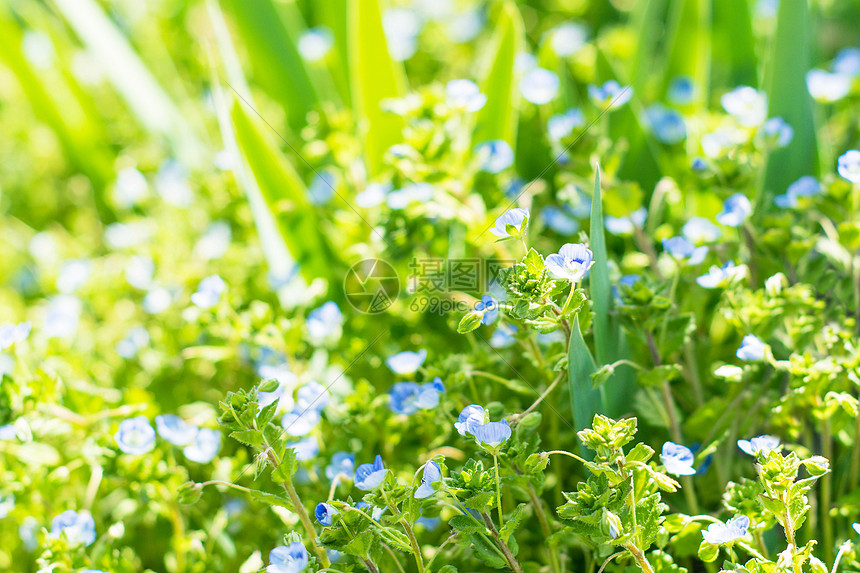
(374, 78)
(690, 45)
(498, 118)
(733, 58)
(789, 98)
(285, 195)
(585, 400)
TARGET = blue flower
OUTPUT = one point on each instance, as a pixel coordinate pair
(8, 432)
(610, 95)
(409, 397)
(492, 434)
(465, 95)
(681, 90)
(625, 225)
(559, 221)
(306, 449)
(373, 195)
(432, 474)
(470, 417)
(720, 276)
(539, 86)
(677, 459)
(412, 193)
(806, 186)
(847, 62)
(315, 43)
(205, 446)
(175, 430)
(406, 362)
(571, 262)
(370, 476)
(747, 105)
(375, 512)
(135, 436)
(826, 87)
(342, 464)
(735, 210)
(667, 124)
(561, 125)
(12, 333)
(777, 132)
(856, 527)
(494, 156)
(290, 559)
(503, 336)
(300, 422)
(490, 309)
(681, 249)
(135, 339)
(429, 523)
(312, 395)
(516, 218)
(567, 39)
(209, 292)
(325, 512)
(849, 166)
(700, 230)
(729, 532)
(78, 527)
(322, 186)
(324, 321)
(763, 444)
(698, 164)
(751, 349)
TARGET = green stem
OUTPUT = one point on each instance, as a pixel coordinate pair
(826, 492)
(569, 298)
(416, 549)
(509, 557)
(640, 559)
(545, 529)
(498, 489)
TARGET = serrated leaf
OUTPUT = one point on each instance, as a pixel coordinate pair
(512, 522)
(252, 438)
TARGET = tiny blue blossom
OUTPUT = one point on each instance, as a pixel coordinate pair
(568, 38)
(342, 464)
(494, 156)
(847, 62)
(752, 349)
(290, 559)
(209, 292)
(726, 533)
(312, 395)
(735, 211)
(777, 132)
(539, 86)
(561, 125)
(719, 141)
(677, 459)
(306, 449)
(492, 434)
(827, 87)
(760, 444)
(315, 43)
(848, 166)
(746, 104)
(571, 262)
(610, 95)
(373, 195)
(489, 307)
(406, 362)
(325, 512)
(175, 430)
(135, 436)
(517, 218)
(625, 225)
(721, 276)
(300, 422)
(429, 523)
(681, 249)
(700, 230)
(324, 321)
(12, 333)
(503, 336)
(698, 164)
(409, 397)
(370, 476)
(806, 186)
(321, 188)
(205, 447)
(559, 221)
(470, 417)
(401, 26)
(77, 526)
(681, 90)
(465, 95)
(412, 193)
(667, 124)
(375, 512)
(432, 474)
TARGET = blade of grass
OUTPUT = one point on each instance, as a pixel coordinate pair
(789, 98)
(689, 47)
(585, 400)
(374, 78)
(733, 57)
(498, 118)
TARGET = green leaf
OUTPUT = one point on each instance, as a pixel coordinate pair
(733, 57)
(252, 438)
(498, 118)
(690, 45)
(374, 78)
(788, 97)
(599, 286)
(470, 322)
(512, 522)
(284, 193)
(585, 400)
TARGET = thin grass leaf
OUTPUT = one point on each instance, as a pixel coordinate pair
(788, 97)
(689, 47)
(285, 195)
(733, 57)
(375, 77)
(585, 399)
(498, 118)
(648, 19)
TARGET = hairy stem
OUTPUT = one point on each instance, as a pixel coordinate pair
(509, 557)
